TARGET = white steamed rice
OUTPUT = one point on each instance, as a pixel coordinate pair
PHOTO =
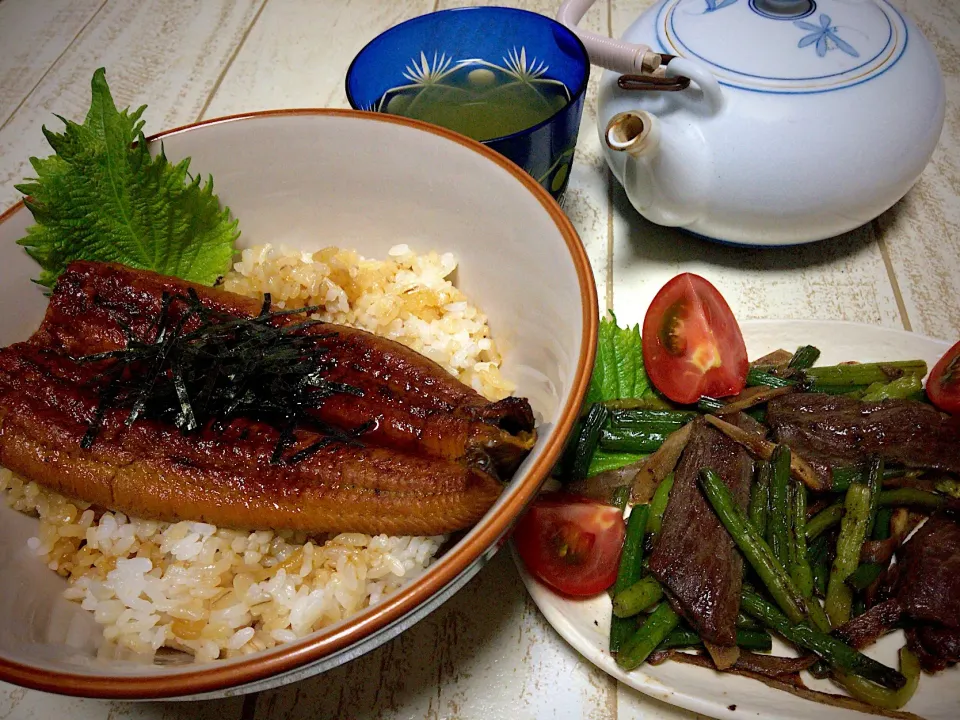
(219, 593)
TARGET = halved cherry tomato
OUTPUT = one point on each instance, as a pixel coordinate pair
(943, 385)
(571, 543)
(692, 344)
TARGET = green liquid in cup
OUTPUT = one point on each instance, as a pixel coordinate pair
(478, 101)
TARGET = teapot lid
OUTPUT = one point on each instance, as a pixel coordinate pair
(785, 46)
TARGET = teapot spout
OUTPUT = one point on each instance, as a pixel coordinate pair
(663, 171)
(635, 132)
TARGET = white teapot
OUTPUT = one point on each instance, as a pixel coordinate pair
(766, 122)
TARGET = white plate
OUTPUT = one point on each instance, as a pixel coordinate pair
(585, 623)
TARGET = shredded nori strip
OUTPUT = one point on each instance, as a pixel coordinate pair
(224, 368)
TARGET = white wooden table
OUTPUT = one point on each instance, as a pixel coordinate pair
(487, 653)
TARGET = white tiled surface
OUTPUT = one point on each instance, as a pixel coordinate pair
(487, 653)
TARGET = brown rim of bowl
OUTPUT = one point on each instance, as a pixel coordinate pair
(290, 656)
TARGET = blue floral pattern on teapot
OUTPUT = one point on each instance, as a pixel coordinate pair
(824, 36)
(833, 44)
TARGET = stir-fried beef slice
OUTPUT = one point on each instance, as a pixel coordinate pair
(835, 430)
(940, 642)
(928, 583)
(695, 558)
(936, 647)
(746, 422)
(866, 628)
(925, 584)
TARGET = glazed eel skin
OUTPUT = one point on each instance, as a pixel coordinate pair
(431, 460)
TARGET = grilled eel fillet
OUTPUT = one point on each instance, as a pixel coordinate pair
(417, 405)
(225, 475)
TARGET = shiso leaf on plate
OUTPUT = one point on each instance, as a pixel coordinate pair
(617, 373)
(102, 197)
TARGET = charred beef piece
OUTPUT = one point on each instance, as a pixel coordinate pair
(928, 590)
(924, 587)
(695, 559)
(928, 580)
(866, 629)
(834, 430)
(936, 647)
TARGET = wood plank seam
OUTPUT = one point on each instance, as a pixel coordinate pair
(248, 710)
(610, 189)
(892, 275)
(51, 66)
(229, 62)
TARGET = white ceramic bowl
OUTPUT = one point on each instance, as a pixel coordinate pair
(311, 178)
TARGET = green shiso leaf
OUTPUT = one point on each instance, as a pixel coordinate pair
(102, 197)
(617, 373)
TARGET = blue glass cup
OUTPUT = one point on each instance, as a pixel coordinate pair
(498, 45)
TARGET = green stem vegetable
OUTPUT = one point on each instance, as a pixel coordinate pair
(658, 505)
(745, 622)
(913, 497)
(853, 531)
(647, 637)
(843, 475)
(824, 520)
(800, 569)
(804, 358)
(709, 404)
(799, 564)
(634, 403)
(838, 654)
(778, 523)
(643, 594)
(853, 391)
(621, 496)
(818, 553)
(864, 373)
(882, 697)
(875, 485)
(586, 443)
(759, 377)
(756, 640)
(632, 439)
(865, 575)
(630, 570)
(753, 547)
(760, 499)
(662, 418)
(899, 389)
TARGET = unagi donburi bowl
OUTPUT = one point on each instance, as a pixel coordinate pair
(309, 179)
